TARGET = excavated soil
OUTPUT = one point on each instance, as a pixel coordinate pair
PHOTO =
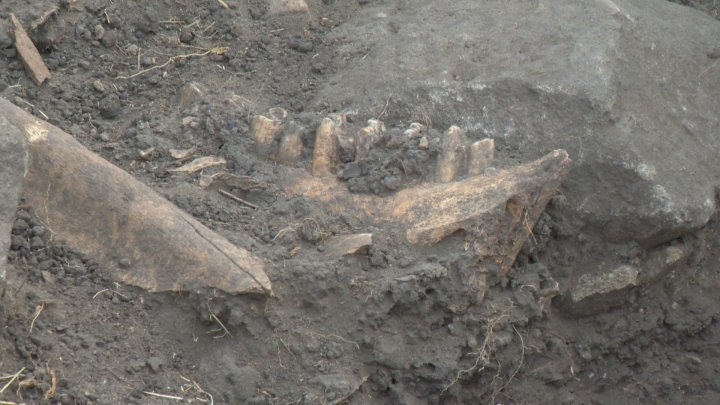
(385, 325)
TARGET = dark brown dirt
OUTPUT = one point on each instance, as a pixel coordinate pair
(383, 326)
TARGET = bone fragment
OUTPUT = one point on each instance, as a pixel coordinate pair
(29, 55)
(105, 213)
(288, 6)
(496, 210)
(199, 164)
(343, 245)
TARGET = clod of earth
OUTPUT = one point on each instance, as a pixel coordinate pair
(103, 212)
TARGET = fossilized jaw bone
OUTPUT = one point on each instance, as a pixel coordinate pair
(103, 212)
(498, 210)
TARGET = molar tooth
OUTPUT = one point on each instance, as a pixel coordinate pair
(415, 130)
(264, 130)
(480, 156)
(451, 157)
(291, 145)
(326, 153)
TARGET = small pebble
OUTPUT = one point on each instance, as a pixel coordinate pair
(110, 107)
(99, 31)
(99, 86)
(155, 364)
(301, 45)
(37, 242)
(186, 36)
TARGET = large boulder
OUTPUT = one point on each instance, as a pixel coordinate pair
(627, 87)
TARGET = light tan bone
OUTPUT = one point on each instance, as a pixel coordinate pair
(199, 164)
(480, 156)
(288, 6)
(182, 154)
(497, 210)
(326, 154)
(103, 212)
(342, 245)
(29, 55)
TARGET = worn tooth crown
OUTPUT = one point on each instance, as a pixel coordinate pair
(326, 154)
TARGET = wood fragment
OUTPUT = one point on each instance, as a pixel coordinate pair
(53, 383)
(230, 181)
(29, 54)
(164, 396)
(238, 199)
(199, 164)
(146, 154)
(40, 21)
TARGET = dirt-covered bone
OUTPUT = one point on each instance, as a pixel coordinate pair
(496, 210)
(103, 212)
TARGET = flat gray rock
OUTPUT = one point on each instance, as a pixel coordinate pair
(626, 87)
(13, 160)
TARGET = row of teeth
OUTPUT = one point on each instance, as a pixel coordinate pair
(280, 139)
